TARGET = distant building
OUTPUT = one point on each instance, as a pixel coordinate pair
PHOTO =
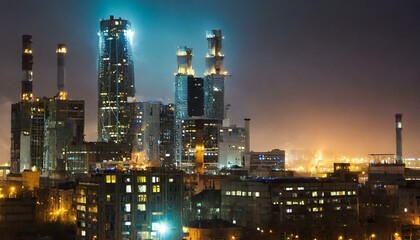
(200, 139)
(309, 207)
(167, 135)
(231, 146)
(214, 77)
(131, 204)
(88, 156)
(64, 126)
(260, 164)
(115, 80)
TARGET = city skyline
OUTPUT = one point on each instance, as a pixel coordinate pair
(330, 78)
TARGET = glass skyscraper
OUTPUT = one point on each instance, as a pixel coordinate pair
(214, 77)
(115, 81)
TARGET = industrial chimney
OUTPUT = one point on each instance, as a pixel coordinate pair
(27, 62)
(247, 135)
(61, 71)
(398, 129)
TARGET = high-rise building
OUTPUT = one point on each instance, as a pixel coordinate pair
(115, 80)
(183, 74)
(167, 134)
(214, 77)
(27, 119)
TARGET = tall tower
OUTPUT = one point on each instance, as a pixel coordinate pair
(116, 80)
(183, 74)
(27, 74)
(398, 130)
(214, 77)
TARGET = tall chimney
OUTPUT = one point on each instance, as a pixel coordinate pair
(398, 129)
(61, 71)
(247, 135)
(27, 74)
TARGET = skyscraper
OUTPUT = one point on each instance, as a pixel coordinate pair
(183, 74)
(214, 77)
(115, 80)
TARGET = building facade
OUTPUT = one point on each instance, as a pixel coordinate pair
(115, 80)
(131, 204)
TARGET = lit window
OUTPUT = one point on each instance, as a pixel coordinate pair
(314, 194)
(289, 210)
(405, 210)
(238, 193)
(141, 179)
(142, 198)
(257, 194)
(128, 188)
(155, 179)
(110, 179)
(228, 193)
(156, 188)
(108, 198)
(301, 188)
(141, 207)
(142, 188)
(289, 189)
(127, 207)
(171, 180)
(83, 233)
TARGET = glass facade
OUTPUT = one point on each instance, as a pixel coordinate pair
(115, 80)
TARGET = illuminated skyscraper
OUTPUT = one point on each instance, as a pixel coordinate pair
(214, 77)
(115, 80)
(182, 76)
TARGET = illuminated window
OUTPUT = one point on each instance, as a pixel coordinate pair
(128, 188)
(108, 198)
(171, 180)
(257, 194)
(228, 193)
(83, 233)
(156, 188)
(142, 188)
(155, 179)
(238, 193)
(314, 194)
(141, 207)
(141, 179)
(301, 188)
(289, 189)
(289, 210)
(142, 198)
(127, 207)
(110, 179)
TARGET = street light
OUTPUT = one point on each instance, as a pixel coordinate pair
(372, 236)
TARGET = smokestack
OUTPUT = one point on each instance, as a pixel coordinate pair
(247, 135)
(61, 71)
(27, 62)
(398, 129)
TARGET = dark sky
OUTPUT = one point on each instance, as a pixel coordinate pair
(310, 74)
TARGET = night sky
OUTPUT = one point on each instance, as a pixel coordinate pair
(324, 75)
